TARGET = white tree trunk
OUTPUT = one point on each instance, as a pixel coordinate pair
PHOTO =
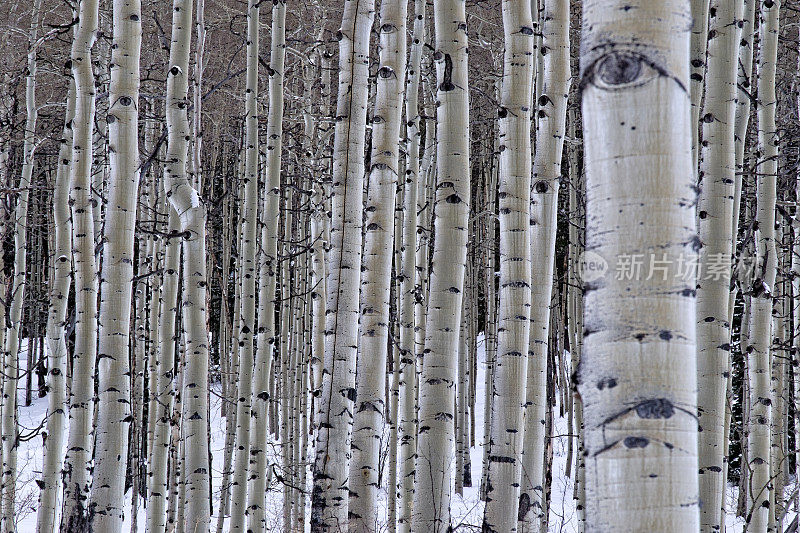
(249, 269)
(716, 229)
(161, 389)
(639, 400)
(550, 132)
(514, 192)
(114, 409)
(759, 359)
(436, 439)
(268, 263)
(329, 499)
(60, 271)
(13, 326)
(407, 401)
(697, 61)
(80, 440)
(744, 84)
(192, 214)
(370, 408)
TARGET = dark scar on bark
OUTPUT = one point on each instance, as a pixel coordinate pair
(618, 67)
(651, 408)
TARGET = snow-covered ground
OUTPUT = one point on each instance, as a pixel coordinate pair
(467, 510)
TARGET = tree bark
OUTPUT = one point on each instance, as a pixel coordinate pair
(116, 277)
(248, 268)
(436, 440)
(550, 132)
(80, 441)
(60, 271)
(370, 408)
(639, 331)
(759, 358)
(514, 192)
(329, 498)
(192, 215)
(716, 229)
(265, 340)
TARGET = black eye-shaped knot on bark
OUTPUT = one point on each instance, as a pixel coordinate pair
(621, 70)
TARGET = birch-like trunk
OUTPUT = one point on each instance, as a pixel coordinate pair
(697, 57)
(639, 327)
(80, 440)
(192, 215)
(759, 358)
(407, 401)
(514, 192)
(329, 498)
(13, 326)
(436, 439)
(114, 410)
(60, 271)
(265, 340)
(716, 229)
(370, 409)
(161, 389)
(550, 132)
(249, 269)
(744, 85)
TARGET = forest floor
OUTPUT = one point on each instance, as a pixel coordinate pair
(467, 510)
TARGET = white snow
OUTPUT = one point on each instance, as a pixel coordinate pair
(467, 511)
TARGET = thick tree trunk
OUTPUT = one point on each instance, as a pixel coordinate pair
(506, 433)
(329, 499)
(639, 401)
(370, 408)
(436, 441)
(116, 278)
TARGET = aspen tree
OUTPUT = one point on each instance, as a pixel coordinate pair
(329, 498)
(514, 193)
(13, 326)
(435, 448)
(60, 272)
(716, 230)
(744, 87)
(116, 277)
(370, 408)
(639, 339)
(158, 485)
(406, 411)
(490, 178)
(80, 440)
(759, 358)
(192, 214)
(463, 476)
(248, 268)
(319, 221)
(697, 56)
(265, 341)
(550, 131)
